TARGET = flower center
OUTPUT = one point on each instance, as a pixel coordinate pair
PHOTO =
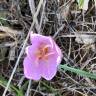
(43, 52)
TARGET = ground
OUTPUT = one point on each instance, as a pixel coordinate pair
(73, 29)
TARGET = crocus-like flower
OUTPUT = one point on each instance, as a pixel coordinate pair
(43, 58)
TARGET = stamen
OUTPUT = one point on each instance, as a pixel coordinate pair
(46, 46)
(42, 52)
(47, 55)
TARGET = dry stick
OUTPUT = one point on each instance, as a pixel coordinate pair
(28, 91)
(32, 8)
(24, 45)
(61, 28)
(42, 16)
(21, 81)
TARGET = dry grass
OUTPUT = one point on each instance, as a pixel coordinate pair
(72, 29)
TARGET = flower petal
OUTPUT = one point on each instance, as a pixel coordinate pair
(37, 38)
(31, 70)
(58, 53)
(49, 68)
(31, 50)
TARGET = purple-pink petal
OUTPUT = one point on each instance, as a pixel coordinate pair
(31, 69)
(49, 68)
(58, 53)
(30, 50)
(38, 39)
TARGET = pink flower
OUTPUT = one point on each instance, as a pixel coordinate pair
(43, 58)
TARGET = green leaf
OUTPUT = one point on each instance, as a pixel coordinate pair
(80, 3)
(83, 4)
(3, 83)
(78, 71)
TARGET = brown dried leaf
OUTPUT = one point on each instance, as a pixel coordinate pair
(8, 32)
